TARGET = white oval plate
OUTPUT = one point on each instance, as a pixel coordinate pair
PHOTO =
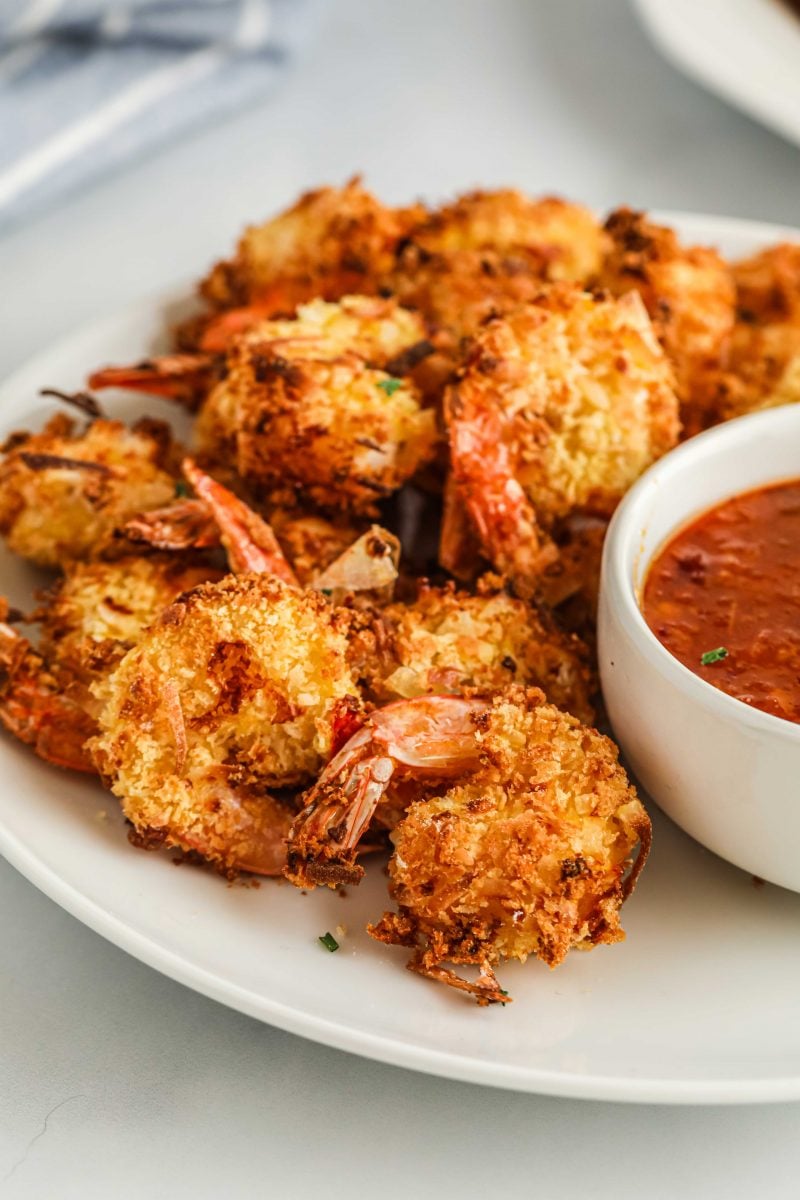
(746, 51)
(699, 1005)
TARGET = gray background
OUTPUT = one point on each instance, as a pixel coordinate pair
(117, 1082)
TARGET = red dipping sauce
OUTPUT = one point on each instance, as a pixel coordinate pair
(723, 596)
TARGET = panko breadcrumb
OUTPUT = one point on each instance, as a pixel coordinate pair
(764, 365)
(559, 408)
(64, 491)
(529, 854)
(689, 294)
(240, 688)
(309, 410)
(449, 641)
(330, 242)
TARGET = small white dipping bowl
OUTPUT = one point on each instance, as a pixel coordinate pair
(727, 773)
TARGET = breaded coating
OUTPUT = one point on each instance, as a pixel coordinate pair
(528, 854)
(98, 611)
(241, 687)
(88, 620)
(64, 491)
(566, 238)
(558, 409)
(690, 296)
(764, 366)
(330, 242)
(450, 641)
(310, 412)
(489, 252)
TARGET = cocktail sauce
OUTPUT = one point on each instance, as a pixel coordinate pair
(723, 596)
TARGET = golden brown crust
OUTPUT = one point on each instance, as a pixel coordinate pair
(64, 491)
(559, 408)
(690, 296)
(530, 854)
(450, 641)
(237, 690)
(307, 410)
(764, 365)
(330, 242)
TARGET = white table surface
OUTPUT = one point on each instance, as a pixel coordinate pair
(116, 1082)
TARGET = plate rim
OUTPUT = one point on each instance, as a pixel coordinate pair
(123, 934)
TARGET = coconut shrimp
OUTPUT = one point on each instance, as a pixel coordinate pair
(487, 253)
(764, 365)
(330, 242)
(530, 851)
(64, 491)
(558, 409)
(450, 641)
(689, 294)
(235, 697)
(88, 620)
(310, 411)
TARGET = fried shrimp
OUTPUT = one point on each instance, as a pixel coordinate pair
(64, 491)
(330, 242)
(450, 641)
(565, 238)
(489, 252)
(529, 853)
(88, 620)
(764, 366)
(689, 294)
(34, 708)
(558, 409)
(309, 410)
(240, 690)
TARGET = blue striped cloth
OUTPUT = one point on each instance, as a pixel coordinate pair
(87, 86)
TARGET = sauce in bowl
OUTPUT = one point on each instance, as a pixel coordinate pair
(723, 596)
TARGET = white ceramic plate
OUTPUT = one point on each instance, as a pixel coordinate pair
(700, 1004)
(747, 51)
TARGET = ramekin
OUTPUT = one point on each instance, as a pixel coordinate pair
(727, 773)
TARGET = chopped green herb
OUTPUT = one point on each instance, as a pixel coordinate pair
(181, 488)
(329, 942)
(712, 656)
(326, 591)
(390, 386)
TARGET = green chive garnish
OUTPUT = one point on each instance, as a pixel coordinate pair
(329, 942)
(181, 488)
(390, 386)
(712, 656)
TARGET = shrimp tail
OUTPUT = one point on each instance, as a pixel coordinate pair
(248, 539)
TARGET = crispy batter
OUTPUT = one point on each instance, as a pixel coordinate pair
(764, 367)
(689, 294)
(88, 620)
(526, 855)
(450, 641)
(559, 408)
(98, 611)
(64, 491)
(486, 254)
(330, 242)
(238, 689)
(566, 238)
(308, 409)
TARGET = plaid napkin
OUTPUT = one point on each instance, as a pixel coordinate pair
(87, 86)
